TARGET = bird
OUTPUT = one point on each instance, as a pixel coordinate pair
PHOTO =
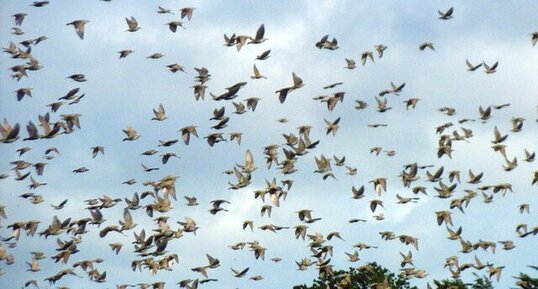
(447, 14)
(380, 48)
(80, 170)
(61, 205)
(360, 104)
(162, 10)
(444, 217)
(132, 24)
(474, 179)
(490, 69)
(264, 55)
(380, 185)
(524, 208)
(258, 38)
(125, 53)
(495, 271)
(9, 133)
(19, 18)
(471, 67)
(517, 124)
(236, 136)
(131, 134)
(155, 55)
(186, 133)
(351, 170)
(257, 74)
(266, 209)
(39, 3)
(149, 152)
(214, 138)
(230, 41)
(256, 277)
(23, 150)
(283, 93)
(216, 206)
(252, 102)
(96, 150)
(148, 169)
(332, 127)
(173, 25)
(175, 68)
(239, 274)
(17, 31)
(498, 137)
(485, 114)
(406, 259)
(412, 102)
(529, 157)
(191, 201)
(324, 43)
(21, 92)
(374, 204)
(403, 200)
(350, 64)
(187, 12)
(249, 224)
(382, 104)
(240, 41)
(365, 55)
(116, 247)
(159, 113)
(78, 77)
(534, 38)
(333, 85)
(426, 45)
(79, 26)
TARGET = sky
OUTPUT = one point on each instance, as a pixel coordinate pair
(122, 93)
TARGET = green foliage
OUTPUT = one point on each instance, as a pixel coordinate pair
(480, 282)
(376, 276)
(449, 284)
(525, 281)
(365, 277)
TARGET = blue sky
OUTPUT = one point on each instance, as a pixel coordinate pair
(123, 92)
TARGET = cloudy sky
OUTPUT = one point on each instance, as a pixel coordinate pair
(122, 92)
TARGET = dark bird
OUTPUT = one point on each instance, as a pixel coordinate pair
(447, 14)
(19, 18)
(264, 55)
(187, 12)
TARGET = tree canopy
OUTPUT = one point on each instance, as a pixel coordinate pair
(368, 276)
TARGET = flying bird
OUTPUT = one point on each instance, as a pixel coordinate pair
(297, 83)
(187, 12)
(79, 26)
(132, 24)
(258, 38)
(447, 14)
(490, 69)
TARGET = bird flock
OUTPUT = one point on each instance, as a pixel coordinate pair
(157, 214)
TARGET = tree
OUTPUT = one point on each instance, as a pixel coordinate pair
(480, 282)
(525, 281)
(364, 277)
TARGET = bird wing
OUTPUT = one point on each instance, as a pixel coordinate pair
(249, 160)
(297, 81)
(260, 32)
(256, 71)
